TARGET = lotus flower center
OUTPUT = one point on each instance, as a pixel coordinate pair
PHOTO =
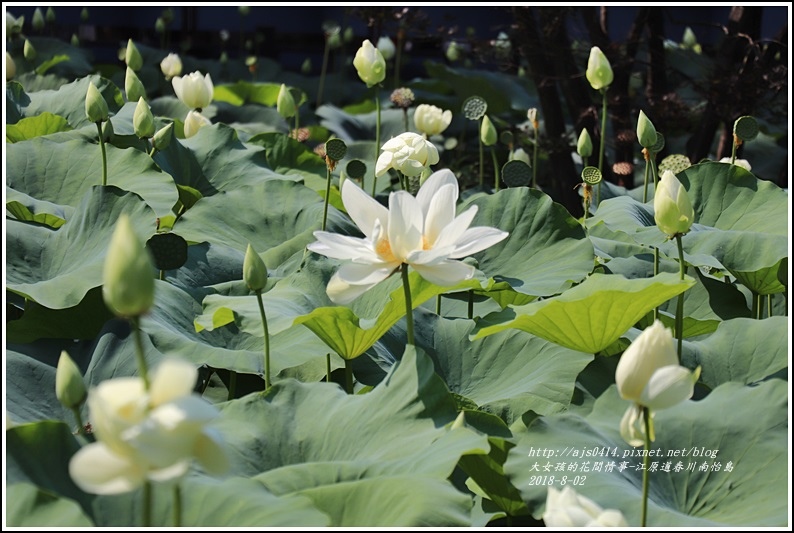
(383, 249)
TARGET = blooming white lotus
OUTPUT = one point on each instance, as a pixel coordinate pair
(144, 435)
(409, 153)
(171, 66)
(431, 120)
(194, 90)
(567, 508)
(422, 232)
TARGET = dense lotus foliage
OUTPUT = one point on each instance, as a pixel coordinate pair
(498, 401)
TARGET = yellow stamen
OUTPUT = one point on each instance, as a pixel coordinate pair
(383, 249)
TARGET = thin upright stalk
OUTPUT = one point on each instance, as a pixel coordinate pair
(655, 273)
(470, 310)
(104, 154)
(535, 160)
(79, 418)
(139, 356)
(438, 305)
(177, 505)
(328, 367)
(679, 311)
(326, 53)
(267, 338)
(768, 305)
(409, 308)
(482, 158)
(736, 143)
(146, 512)
(232, 385)
(603, 139)
(645, 154)
(377, 139)
(349, 376)
(758, 307)
(495, 170)
(327, 195)
(646, 416)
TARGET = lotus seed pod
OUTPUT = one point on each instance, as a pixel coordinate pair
(127, 277)
(159, 26)
(244, 10)
(96, 108)
(69, 385)
(84, 14)
(75, 40)
(254, 270)
(306, 66)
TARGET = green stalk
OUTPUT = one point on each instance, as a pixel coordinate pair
(646, 415)
(470, 310)
(104, 154)
(733, 149)
(758, 306)
(482, 159)
(405, 121)
(535, 162)
(655, 172)
(232, 385)
(326, 52)
(409, 309)
(438, 305)
(297, 123)
(146, 512)
(647, 176)
(495, 170)
(79, 418)
(679, 311)
(349, 376)
(267, 338)
(177, 506)
(377, 139)
(397, 59)
(136, 331)
(655, 273)
(327, 194)
(768, 305)
(328, 367)
(603, 139)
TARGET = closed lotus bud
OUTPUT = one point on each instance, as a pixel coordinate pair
(348, 34)
(84, 14)
(306, 66)
(69, 385)
(599, 71)
(38, 20)
(673, 210)
(107, 131)
(162, 139)
(386, 47)
(133, 86)
(224, 57)
(194, 121)
(96, 108)
(334, 41)
(29, 51)
(646, 132)
(532, 116)
(488, 133)
(431, 120)
(127, 277)
(75, 40)
(133, 56)
(244, 10)
(143, 120)
(285, 103)
(11, 67)
(519, 155)
(171, 66)
(254, 270)
(452, 52)
(584, 146)
(370, 64)
(50, 15)
(159, 26)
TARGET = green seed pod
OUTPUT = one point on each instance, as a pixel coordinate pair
(254, 270)
(143, 120)
(127, 276)
(96, 108)
(133, 56)
(69, 385)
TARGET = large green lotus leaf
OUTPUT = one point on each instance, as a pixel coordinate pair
(58, 268)
(745, 427)
(742, 349)
(31, 127)
(351, 332)
(396, 431)
(30, 507)
(350, 127)
(233, 502)
(592, 315)
(508, 373)
(63, 172)
(28, 209)
(546, 251)
(288, 156)
(242, 92)
(68, 101)
(65, 60)
(766, 281)
(205, 161)
(266, 214)
(250, 120)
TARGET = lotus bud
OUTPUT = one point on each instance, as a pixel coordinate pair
(285, 103)
(599, 71)
(584, 146)
(194, 121)
(133, 86)
(244, 10)
(143, 120)
(745, 164)
(11, 67)
(254, 270)
(488, 133)
(38, 20)
(107, 131)
(171, 66)
(162, 139)
(133, 56)
(50, 16)
(646, 132)
(69, 385)
(334, 41)
(159, 26)
(673, 210)
(29, 51)
(532, 116)
(306, 66)
(386, 47)
(128, 282)
(370, 64)
(453, 52)
(690, 42)
(84, 14)
(519, 155)
(224, 57)
(75, 40)
(460, 421)
(96, 108)
(348, 34)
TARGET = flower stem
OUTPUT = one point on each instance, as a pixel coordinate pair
(232, 385)
(146, 513)
(495, 171)
(136, 331)
(733, 149)
(470, 311)
(438, 305)
(482, 160)
(646, 416)
(328, 367)
(267, 338)
(655, 273)
(768, 305)
(603, 139)
(757, 306)
(104, 154)
(647, 175)
(349, 376)
(679, 311)
(535, 161)
(327, 195)
(79, 418)
(326, 52)
(655, 173)
(177, 505)
(377, 139)
(409, 308)
(297, 124)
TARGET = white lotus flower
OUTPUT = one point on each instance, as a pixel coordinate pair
(673, 211)
(194, 90)
(194, 121)
(171, 66)
(386, 47)
(409, 153)
(745, 164)
(567, 508)
(431, 120)
(144, 435)
(422, 232)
